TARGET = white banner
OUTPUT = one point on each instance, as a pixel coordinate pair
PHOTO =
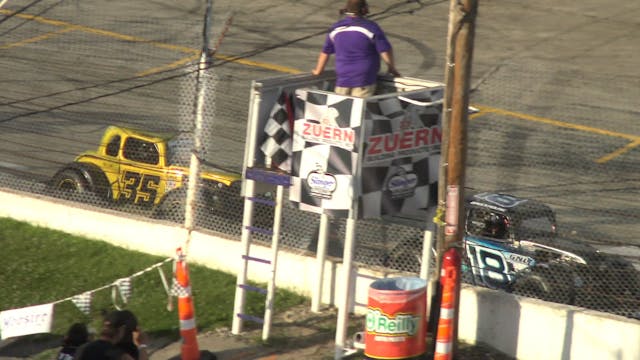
(25, 321)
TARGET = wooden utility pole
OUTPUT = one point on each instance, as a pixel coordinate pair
(444, 145)
(462, 17)
(434, 284)
(457, 153)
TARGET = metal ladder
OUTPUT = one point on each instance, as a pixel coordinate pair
(253, 177)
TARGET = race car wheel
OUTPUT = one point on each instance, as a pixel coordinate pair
(70, 181)
(548, 285)
(172, 207)
(534, 286)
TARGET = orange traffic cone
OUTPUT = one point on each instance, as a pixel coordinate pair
(446, 323)
(186, 311)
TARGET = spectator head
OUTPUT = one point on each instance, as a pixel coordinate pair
(116, 325)
(131, 324)
(77, 335)
(356, 7)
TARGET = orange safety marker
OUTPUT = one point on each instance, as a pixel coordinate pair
(446, 323)
(186, 312)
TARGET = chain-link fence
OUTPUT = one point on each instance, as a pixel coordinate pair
(578, 159)
(98, 107)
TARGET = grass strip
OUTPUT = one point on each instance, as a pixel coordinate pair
(41, 266)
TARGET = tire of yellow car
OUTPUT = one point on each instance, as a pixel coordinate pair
(70, 180)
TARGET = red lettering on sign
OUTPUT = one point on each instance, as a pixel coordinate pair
(422, 137)
(337, 134)
(374, 145)
(406, 142)
(326, 132)
(319, 131)
(349, 136)
(436, 135)
(409, 139)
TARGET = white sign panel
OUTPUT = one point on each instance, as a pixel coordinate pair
(325, 152)
(25, 321)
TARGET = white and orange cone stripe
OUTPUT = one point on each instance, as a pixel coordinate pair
(186, 312)
(446, 323)
(444, 339)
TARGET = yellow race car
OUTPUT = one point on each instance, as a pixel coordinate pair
(149, 170)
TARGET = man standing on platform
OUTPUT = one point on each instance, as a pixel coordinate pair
(358, 44)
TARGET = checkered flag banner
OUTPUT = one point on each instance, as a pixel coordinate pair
(124, 288)
(83, 302)
(277, 144)
(179, 290)
(401, 154)
(325, 151)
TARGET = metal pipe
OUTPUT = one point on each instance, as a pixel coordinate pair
(321, 255)
(347, 282)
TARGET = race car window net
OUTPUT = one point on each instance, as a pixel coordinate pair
(113, 146)
(488, 224)
(141, 151)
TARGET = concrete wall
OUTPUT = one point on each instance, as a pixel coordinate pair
(521, 327)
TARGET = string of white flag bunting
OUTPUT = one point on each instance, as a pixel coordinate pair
(39, 318)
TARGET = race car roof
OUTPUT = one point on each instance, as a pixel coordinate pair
(514, 204)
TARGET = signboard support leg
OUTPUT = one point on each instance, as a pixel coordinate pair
(321, 255)
(347, 279)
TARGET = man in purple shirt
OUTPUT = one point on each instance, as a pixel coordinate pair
(358, 44)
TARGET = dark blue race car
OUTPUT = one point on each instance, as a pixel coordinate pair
(512, 244)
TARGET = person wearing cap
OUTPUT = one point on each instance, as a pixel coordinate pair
(114, 331)
(358, 44)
